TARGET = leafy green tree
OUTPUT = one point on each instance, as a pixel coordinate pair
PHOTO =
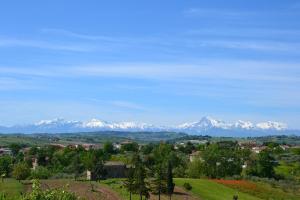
(89, 160)
(77, 166)
(222, 159)
(170, 183)
(15, 148)
(108, 148)
(195, 169)
(5, 166)
(266, 164)
(21, 171)
(133, 147)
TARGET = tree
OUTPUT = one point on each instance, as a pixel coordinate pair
(265, 164)
(129, 183)
(15, 148)
(140, 176)
(222, 159)
(170, 183)
(89, 160)
(5, 166)
(108, 148)
(159, 181)
(77, 166)
(21, 171)
(134, 147)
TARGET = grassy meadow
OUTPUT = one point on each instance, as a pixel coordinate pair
(11, 188)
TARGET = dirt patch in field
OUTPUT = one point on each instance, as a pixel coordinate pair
(86, 190)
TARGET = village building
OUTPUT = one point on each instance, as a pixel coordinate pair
(5, 151)
(114, 169)
(258, 149)
(194, 156)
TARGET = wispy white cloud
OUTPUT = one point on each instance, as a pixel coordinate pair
(9, 83)
(201, 12)
(244, 32)
(63, 32)
(223, 69)
(13, 42)
(158, 44)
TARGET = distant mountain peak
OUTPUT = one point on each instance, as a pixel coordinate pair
(206, 125)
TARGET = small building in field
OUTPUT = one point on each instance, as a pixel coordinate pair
(114, 169)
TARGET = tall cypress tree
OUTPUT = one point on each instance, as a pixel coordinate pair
(141, 185)
(170, 183)
(159, 181)
(129, 183)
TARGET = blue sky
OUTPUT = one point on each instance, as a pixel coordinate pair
(162, 62)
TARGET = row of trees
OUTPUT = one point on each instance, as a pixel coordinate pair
(53, 160)
(140, 180)
(216, 160)
(228, 159)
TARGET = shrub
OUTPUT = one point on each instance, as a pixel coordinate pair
(21, 171)
(40, 173)
(235, 197)
(187, 186)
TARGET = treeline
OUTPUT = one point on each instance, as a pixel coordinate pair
(152, 161)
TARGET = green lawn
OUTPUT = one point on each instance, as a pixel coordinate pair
(208, 190)
(11, 188)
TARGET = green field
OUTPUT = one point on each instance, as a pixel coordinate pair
(208, 190)
(202, 189)
(11, 188)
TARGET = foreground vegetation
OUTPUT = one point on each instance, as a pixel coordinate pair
(11, 188)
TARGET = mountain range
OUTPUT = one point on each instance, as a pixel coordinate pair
(205, 126)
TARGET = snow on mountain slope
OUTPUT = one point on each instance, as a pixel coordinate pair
(244, 125)
(209, 123)
(206, 125)
(271, 125)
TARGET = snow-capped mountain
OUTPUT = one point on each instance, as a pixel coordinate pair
(206, 125)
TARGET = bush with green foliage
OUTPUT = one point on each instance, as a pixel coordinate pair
(40, 173)
(187, 186)
(21, 171)
(5, 165)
